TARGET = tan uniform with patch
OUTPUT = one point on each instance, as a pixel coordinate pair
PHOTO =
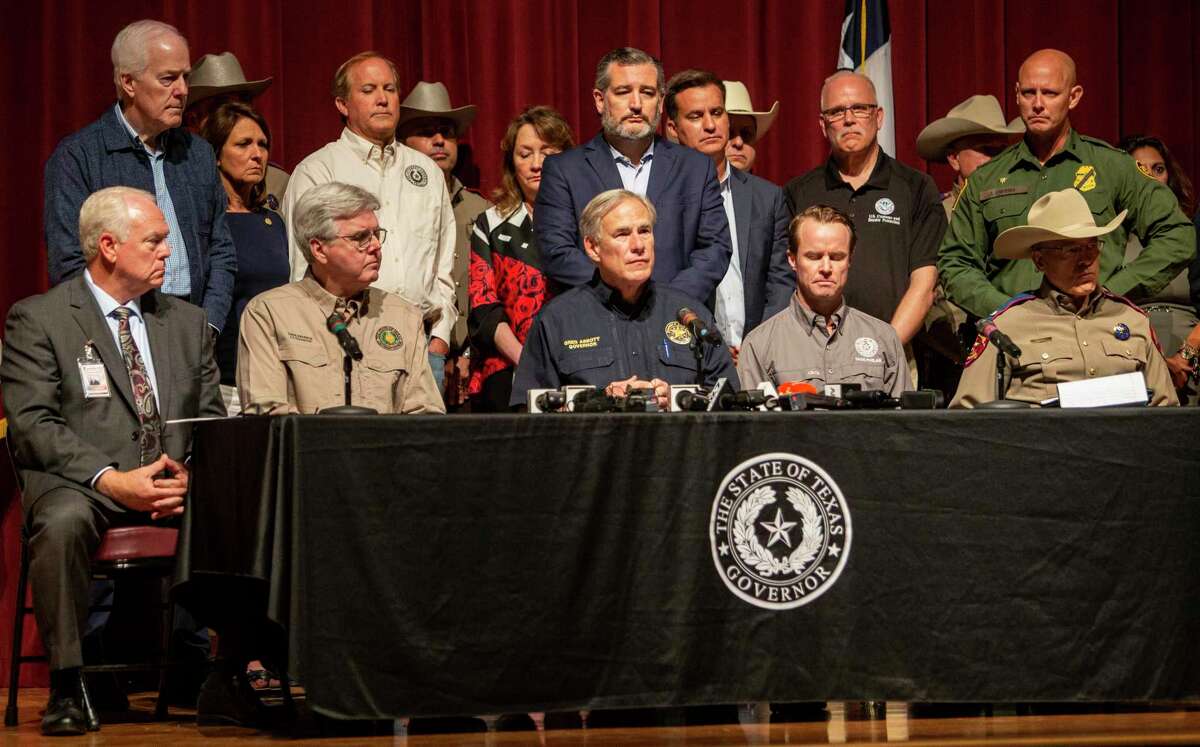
(289, 362)
(1059, 345)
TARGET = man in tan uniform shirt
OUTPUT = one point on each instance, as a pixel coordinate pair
(289, 361)
(1070, 328)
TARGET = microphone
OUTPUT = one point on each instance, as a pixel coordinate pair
(987, 327)
(551, 401)
(869, 398)
(691, 401)
(698, 327)
(795, 387)
(747, 399)
(337, 326)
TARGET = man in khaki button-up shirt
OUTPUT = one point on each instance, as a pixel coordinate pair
(289, 361)
(1070, 328)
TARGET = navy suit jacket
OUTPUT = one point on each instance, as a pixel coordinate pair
(761, 216)
(691, 238)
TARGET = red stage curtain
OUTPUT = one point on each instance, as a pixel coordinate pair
(1136, 62)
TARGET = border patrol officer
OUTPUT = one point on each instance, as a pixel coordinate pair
(1051, 157)
(1070, 328)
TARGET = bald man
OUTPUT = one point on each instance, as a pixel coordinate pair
(1052, 156)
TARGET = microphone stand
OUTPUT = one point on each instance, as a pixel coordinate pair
(1000, 403)
(698, 354)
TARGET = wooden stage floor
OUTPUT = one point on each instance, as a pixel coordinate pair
(1163, 725)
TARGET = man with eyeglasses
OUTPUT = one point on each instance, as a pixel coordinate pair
(895, 209)
(414, 204)
(289, 360)
(1070, 328)
(1052, 156)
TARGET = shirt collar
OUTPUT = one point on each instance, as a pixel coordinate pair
(327, 302)
(456, 190)
(1070, 149)
(137, 140)
(880, 177)
(621, 159)
(611, 299)
(367, 151)
(1061, 302)
(811, 320)
(107, 303)
(727, 182)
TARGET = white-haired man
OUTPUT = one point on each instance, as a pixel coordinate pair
(97, 358)
(139, 142)
(290, 361)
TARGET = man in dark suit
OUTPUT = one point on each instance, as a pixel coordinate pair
(94, 371)
(692, 233)
(758, 282)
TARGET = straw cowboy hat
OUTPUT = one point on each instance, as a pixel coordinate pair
(739, 106)
(978, 115)
(433, 100)
(218, 74)
(1054, 217)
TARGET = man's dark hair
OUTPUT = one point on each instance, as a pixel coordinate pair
(686, 79)
(626, 56)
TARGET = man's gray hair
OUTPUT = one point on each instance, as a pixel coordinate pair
(131, 48)
(603, 204)
(317, 210)
(106, 211)
(627, 56)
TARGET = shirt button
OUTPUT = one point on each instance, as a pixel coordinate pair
(1045, 356)
(134, 436)
(1043, 177)
(1085, 343)
(1091, 372)
(830, 371)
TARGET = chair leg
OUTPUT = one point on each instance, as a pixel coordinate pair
(168, 623)
(14, 674)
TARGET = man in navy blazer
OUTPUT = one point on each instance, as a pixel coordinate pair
(692, 234)
(758, 282)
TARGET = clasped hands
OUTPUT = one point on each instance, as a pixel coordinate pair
(159, 487)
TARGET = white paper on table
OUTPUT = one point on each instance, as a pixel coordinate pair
(1106, 391)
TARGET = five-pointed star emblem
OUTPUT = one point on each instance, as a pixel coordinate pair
(778, 530)
(834, 550)
(724, 548)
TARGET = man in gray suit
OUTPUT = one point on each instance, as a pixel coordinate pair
(758, 282)
(94, 372)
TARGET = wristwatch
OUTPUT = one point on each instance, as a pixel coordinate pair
(1191, 356)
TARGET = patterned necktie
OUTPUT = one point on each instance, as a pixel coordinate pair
(150, 441)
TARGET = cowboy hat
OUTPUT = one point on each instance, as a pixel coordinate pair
(978, 115)
(739, 106)
(433, 100)
(1054, 217)
(219, 74)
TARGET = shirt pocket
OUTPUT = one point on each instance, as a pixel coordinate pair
(866, 374)
(1006, 211)
(678, 366)
(1047, 361)
(1122, 356)
(310, 381)
(586, 366)
(381, 375)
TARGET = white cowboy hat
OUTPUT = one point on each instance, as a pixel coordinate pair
(978, 115)
(433, 100)
(219, 74)
(1054, 217)
(739, 106)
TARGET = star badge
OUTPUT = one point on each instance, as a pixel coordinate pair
(724, 548)
(779, 529)
(834, 551)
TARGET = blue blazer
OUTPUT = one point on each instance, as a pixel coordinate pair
(103, 155)
(691, 238)
(761, 216)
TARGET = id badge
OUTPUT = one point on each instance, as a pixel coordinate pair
(92, 374)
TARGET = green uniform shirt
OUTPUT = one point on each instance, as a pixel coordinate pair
(999, 194)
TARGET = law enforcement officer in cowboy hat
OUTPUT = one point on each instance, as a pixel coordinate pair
(746, 126)
(1053, 156)
(429, 124)
(970, 135)
(1071, 327)
(216, 79)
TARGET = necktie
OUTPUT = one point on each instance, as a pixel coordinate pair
(150, 441)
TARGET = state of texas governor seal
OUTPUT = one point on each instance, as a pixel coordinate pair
(780, 531)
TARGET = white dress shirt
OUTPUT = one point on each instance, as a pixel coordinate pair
(731, 292)
(418, 258)
(636, 179)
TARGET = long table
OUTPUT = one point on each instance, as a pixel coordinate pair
(496, 564)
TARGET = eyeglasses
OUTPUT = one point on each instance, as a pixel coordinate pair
(1074, 250)
(361, 241)
(860, 111)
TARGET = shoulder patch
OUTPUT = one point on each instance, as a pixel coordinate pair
(977, 349)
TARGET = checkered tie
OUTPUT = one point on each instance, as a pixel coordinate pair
(150, 441)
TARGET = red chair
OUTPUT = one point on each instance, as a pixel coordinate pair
(123, 551)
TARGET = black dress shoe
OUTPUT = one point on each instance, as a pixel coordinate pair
(64, 717)
(228, 702)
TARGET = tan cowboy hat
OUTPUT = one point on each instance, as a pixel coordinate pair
(978, 115)
(433, 100)
(739, 106)
(1054, 217)
(218, 74)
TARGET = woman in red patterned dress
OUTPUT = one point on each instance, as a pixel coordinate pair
(507, 288)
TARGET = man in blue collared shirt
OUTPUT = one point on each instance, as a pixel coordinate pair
(140, 143)
(692, 232)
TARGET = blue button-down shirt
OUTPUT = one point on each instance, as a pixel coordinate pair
(178, 280)
(636, 179)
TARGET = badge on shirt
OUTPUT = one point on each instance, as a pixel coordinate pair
(92, 373)
(1121, 331)
(1085, 178)
(677, 333)
(884, 206)
(388, 338)
(866, 347)
(416, 175)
